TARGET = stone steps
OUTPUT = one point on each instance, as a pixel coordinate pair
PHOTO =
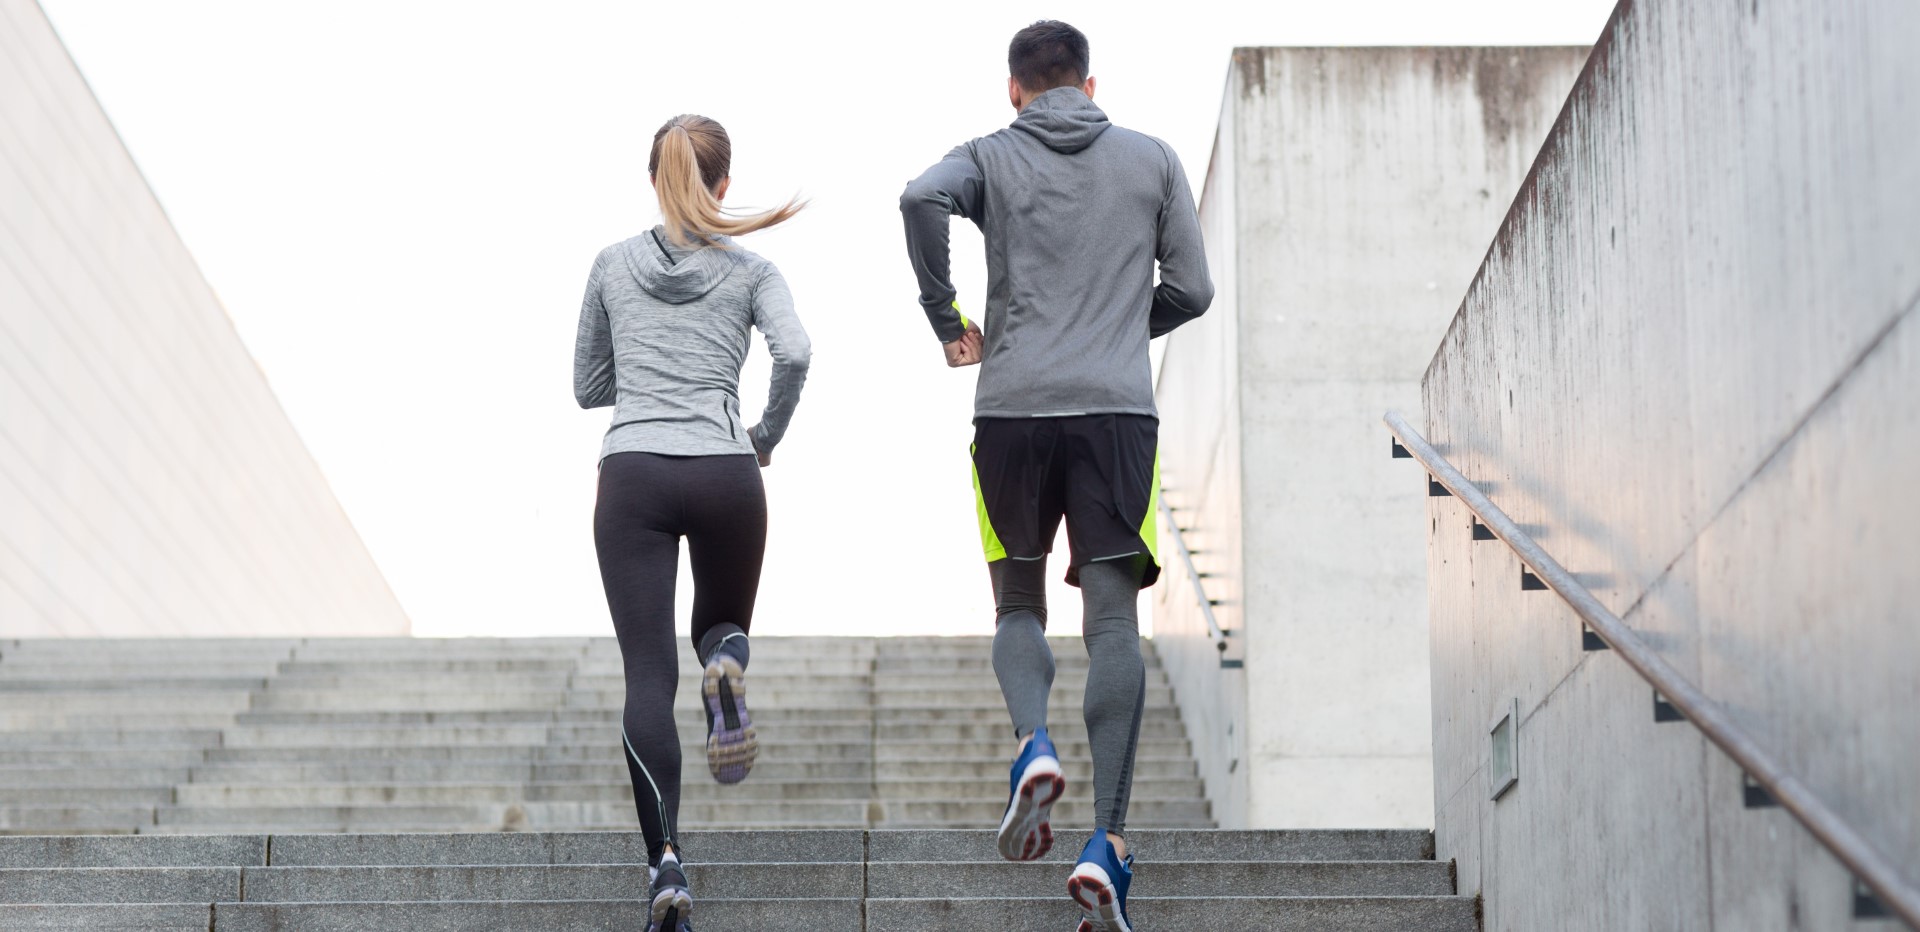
(829, 881)
(345, 735)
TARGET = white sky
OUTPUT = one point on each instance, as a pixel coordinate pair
(398, 203)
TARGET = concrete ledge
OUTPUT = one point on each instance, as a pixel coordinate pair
(811, 915)
(133, 851)
(1268, 914)
(146, 917)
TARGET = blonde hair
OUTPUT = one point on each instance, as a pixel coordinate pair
(691, 156)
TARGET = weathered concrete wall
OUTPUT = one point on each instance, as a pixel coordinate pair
(149, 481)
(1352, 192)
(1691, 366)
(1200, 471)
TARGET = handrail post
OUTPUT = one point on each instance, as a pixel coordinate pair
(1214, 630)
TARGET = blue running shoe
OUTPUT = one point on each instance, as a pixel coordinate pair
(1035, 785)
(672, 909)
(1099, 884)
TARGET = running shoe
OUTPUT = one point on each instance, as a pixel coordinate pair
(732, 743)
(672, 905)
(1099, 884)
(1034, 785)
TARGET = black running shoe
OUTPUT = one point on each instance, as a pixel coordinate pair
(672, 905)
(732, 742)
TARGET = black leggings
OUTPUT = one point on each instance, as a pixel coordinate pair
(647, 502)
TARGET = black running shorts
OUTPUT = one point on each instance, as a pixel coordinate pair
(1101, 472)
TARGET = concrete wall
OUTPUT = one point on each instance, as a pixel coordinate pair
(1691, 366)
(1351, 193)
(149, 481)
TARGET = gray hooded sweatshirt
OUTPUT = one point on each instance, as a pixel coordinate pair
(1076, 213)
(664, 330)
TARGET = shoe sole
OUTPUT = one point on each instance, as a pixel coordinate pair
(1025, 832)
(1092, 890)
(672, 909)
(732, 744)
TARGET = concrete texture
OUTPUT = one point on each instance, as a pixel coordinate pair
(833, 881)
(151, 482)
(1690, 366)
(1351, 192)
(396, 735)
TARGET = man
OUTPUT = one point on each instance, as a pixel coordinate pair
(1076, 213)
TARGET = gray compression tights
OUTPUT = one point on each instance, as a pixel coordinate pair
(1116, 677)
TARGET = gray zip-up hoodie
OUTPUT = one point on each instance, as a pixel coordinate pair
(1076, 213)
(664, 330)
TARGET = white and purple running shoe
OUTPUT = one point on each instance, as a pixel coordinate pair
(732, 743)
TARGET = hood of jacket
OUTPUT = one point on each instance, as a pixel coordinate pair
(677, 274)
(1064, 118)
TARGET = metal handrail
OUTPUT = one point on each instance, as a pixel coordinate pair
(1214, 630)
(1869, 866)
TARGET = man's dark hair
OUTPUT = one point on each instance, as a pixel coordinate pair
(1049, 54)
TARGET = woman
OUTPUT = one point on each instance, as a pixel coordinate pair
(663, 333)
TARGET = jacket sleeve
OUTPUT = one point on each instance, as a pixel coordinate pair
(1185, 288)
(952, 186)
(787, 342)
(593, 382)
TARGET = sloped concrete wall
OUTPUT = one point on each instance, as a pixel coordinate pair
(1200, 474)
(1351, 194)
(1691, 365)
(150, 483)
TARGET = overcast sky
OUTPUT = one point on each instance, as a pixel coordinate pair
(398, 203)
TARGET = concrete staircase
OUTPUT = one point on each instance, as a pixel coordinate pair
(391, 735)
(818, 881)
(366, 784)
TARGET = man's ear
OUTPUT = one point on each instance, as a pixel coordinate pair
(1013, 91)
(1088, 87)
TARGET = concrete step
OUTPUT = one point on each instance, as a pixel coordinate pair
(804, 915)
(145, 917)
(30, 757)
(134, 851)
(610, 786)
(506, 771)
(995, 768)
(88, 795)
(509, 812)
(940, 879)
(129, 684)
(137, 669)
(377, 753)
(120, 885)
(73, 820)
(810, 880)
(14, 777)
(711, 879)
(625, 847)
(1268, 914)
(629, 847)
(376, 736)
(142, 718)
(297, 700)
(97, 738)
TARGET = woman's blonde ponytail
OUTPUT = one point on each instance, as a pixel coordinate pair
(691, 156)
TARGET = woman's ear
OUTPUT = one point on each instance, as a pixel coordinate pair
(720, 190)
